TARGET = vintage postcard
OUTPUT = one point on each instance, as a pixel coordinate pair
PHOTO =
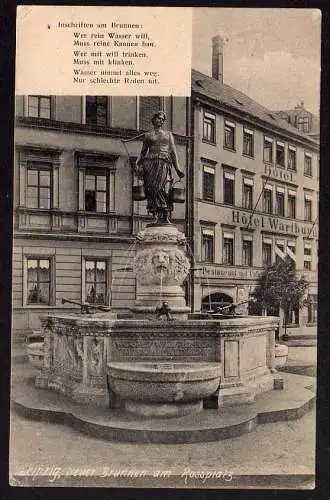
(165, 243)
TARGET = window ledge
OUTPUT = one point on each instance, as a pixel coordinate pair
(207, 201)
(40, 306)
(39, 210)
(94, 214)
(209, 142)
(252, 157)
(228, 148)
(308, 175)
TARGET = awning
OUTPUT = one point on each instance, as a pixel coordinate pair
(231, 124)
(208, 170)
(291, 253)
(228, 235)
(227, 175)
(279, 252)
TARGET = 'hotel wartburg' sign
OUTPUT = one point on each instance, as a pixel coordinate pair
(275, 224)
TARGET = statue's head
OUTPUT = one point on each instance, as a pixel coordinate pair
(160, 115)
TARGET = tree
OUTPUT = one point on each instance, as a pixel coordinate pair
(279, 286)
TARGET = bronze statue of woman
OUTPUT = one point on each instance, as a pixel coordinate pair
(154, 166)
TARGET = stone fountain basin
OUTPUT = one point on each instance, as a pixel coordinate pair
(162, 382)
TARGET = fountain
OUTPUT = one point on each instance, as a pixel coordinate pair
(162, 363)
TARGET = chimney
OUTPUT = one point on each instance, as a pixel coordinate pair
(217, 58)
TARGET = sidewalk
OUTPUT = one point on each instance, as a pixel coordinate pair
(274, 455)
(302, 360)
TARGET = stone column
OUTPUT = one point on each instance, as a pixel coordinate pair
(85, 362)
(271, 351)
(161, 267)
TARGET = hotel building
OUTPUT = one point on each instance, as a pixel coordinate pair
(252, 197)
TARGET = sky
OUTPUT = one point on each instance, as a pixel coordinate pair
(272, 55)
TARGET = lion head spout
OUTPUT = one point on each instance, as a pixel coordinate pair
(156, 266)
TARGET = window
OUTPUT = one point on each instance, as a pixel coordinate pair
(280, 154)
(96, 281)
(247, 251)
(207, 245)
(268, 199)
(307, 256)
(209, 127)
(268, 150)
(292, 158)
(308, 165)
(292, 204)
(229, 138)
(248, 146)
(228, 188)
(267, 252)
(208, 183)
(308, 207)
(311, 309)
(280, 201)
(39, 106)
(95, 191)
(303, 123)
(96, 110)
(247, 193)
(39, 189)
(96, 175)
(279, 250)
(307, 265)
(228, 249)
(39, 281)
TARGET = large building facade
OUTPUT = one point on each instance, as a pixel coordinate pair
(74, 219)
(253, 198)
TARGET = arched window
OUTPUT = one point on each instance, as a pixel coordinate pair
(216, 301)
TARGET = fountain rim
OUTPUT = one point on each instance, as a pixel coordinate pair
(145, 371)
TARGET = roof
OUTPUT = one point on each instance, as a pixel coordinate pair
(297, 110)
(233, 98)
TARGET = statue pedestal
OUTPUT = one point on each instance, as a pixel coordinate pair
(161, 267)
